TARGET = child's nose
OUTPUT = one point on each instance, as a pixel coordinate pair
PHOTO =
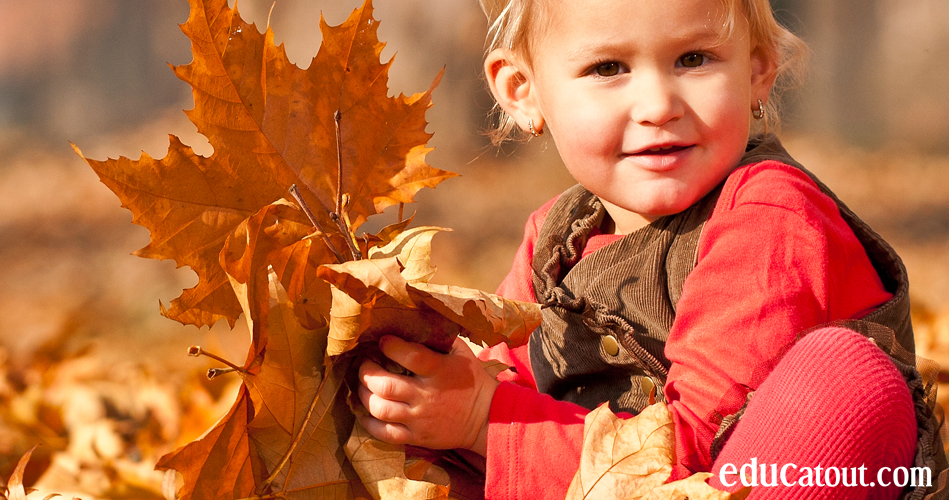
(655, 101)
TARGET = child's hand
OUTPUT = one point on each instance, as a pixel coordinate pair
(443, 405)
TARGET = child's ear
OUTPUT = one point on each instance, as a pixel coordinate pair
(511, 83)
(764, 70)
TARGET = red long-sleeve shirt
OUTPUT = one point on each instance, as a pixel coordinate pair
(775, 258)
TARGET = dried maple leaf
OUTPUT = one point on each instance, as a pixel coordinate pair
(632, 459)
(413, 247)
(279, 236)
(223, 463)
(286, 430)
(485, 318)
(382, 468)
(388, 294)
(272, 125)
(374, 297)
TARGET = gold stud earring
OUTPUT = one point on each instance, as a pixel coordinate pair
(534, 132)
(758, 113)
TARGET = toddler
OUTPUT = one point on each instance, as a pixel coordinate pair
(695, 262)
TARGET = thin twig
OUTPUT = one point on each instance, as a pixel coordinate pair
(347, 224)
(346, 235)
(341, 204)
(401, 211)
(339, 163)
(295, 191)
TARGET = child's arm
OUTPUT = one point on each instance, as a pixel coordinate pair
(776, 258)
(444, 404)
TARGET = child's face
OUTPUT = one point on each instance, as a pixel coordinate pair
(649, 109)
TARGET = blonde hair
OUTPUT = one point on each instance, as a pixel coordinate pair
(510, 25)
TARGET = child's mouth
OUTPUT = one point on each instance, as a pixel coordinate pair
(661, 150)
(661, 158)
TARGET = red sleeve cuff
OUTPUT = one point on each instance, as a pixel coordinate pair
(534, 444)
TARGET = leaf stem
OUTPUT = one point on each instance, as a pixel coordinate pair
(295, 191)
(196, 351)
(216, 372)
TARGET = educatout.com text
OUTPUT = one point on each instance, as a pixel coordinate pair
(754, 474)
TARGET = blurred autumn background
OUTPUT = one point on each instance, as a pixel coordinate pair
(93, 372)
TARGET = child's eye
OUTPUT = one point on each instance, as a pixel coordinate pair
(607, 69)
(692, 60)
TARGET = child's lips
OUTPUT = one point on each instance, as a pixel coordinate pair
(659, 150)
(660, 158)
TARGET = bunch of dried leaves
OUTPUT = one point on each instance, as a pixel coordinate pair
(332, 138)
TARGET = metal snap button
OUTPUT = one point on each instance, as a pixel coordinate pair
(610, 345)
(647, 385)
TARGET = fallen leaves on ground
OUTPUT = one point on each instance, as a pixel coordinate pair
(632, 458)
(102, 426)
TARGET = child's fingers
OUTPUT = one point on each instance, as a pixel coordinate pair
(384, 383)
(412, 356)
(384, 409)
(385, 431)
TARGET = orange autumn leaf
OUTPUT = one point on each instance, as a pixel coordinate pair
(631, 459)
(280, 235)
(272, 125)
(389, 293)
(286, 431)
(223, 463)
(413, 247)
(485, 318)
(370, 299)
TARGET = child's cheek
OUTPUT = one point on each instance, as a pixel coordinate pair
(594, 134)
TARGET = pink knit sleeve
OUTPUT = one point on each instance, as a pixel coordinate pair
(775, 259)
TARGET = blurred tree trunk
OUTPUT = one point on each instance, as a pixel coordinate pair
(842, 94)
(874, 74)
